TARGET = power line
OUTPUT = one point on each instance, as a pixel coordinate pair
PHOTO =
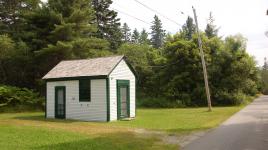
(122, 12)
(155, 11)
(132, 16)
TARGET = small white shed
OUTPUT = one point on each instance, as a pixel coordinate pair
(99, 89)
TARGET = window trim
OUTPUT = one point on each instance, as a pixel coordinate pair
(88, 99)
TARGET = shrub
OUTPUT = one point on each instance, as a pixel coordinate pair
(19, 98)
(159, 102)
(230, 98)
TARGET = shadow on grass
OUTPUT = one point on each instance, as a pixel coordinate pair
(42, 118)
(115, 141)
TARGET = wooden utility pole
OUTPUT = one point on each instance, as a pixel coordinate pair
(203, 62)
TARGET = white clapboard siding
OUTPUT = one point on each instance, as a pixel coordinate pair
(95, 110)
(121, 72)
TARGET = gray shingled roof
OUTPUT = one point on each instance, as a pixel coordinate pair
(84, 67)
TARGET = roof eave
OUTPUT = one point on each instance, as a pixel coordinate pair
(75, 78)
(128, 64)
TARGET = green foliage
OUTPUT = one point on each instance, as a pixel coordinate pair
(35, 36)
(141, 57)
(6, 46)
(188, 29)
(264, 77)
(15, 62)
(71, 37)
(126, 31)
(108, 24)
(12, 97)
(12, 15)
(135, 36)
(157, 33)
(159, 102)
(143, 39)
(233, 74)
(211, 30)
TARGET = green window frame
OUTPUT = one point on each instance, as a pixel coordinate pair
(84, 90)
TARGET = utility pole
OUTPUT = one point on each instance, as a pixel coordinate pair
(203, 62)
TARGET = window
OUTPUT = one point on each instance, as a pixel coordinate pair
(84, 90)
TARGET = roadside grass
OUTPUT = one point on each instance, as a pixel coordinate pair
(33, 131)
(26, 137)
(180, 120)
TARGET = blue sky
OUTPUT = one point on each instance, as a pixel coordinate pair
(247, 17)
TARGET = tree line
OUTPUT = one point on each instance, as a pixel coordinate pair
(35, 36)
(264, 77)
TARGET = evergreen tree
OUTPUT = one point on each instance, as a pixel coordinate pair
(108, 25)
(72, 36)
(135, 36)
(157, 33)
(211, 30)
(76, 20)
(264, 77)
(144, 37)
(41, 23)
(188, 28)
(126, 33)
(12, 13)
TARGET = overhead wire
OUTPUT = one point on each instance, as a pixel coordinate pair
(127, 14)
(131, 16)
(157, 12)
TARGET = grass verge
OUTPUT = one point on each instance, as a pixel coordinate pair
(33, 131)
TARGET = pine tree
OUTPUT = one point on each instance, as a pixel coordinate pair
(144, 37)
(135, 36)
(126, 33)
(211, 30)
(108, 25)
(157, 33)
(76, 21)
(72, 36)
(188, 28)
(12, 13)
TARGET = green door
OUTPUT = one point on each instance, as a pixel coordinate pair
(123, 102)
(60, 102)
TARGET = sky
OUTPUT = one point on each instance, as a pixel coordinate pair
(246, 17)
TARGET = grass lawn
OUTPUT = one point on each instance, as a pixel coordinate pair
(179, 120)
(32, 131)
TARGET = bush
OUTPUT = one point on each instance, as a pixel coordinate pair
(19, 99)
(234, 98)
(159, 102)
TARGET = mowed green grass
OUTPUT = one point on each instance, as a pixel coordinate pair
(32, 131)
(24, 138)
(180, 120)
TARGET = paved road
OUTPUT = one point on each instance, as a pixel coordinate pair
(246, 130)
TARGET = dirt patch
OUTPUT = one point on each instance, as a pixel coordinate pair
(177, 139)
